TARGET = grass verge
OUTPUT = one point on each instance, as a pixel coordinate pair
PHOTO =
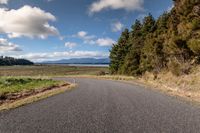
(36, 97)
(10, 85)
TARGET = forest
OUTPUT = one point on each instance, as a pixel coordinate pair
(171, 42)
(10, 61)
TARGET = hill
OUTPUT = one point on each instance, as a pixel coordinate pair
(10, 61)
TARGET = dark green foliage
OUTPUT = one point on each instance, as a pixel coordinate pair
(119, 52)
(162, 23)
(170, 42)
(148, 25)
(9, 61)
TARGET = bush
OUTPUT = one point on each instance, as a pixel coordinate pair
(175, 68)
(194, 45)
(178, 69)
(195, 24)
(101, 73)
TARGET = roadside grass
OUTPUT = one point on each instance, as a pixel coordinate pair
(10, 85)
(20, 85)
(49, 70)
(108, 77)
(185, 86)
(37, 97)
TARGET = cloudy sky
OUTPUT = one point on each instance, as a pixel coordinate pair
(59, 29)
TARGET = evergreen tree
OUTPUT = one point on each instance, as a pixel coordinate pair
(171, 41)
(10, 61)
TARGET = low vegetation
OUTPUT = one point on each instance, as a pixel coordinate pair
(12, 85)
(186, 85)
(50, 70)
(39, 95)
(21, 85)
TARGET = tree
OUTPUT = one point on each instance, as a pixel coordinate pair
(132, 59)
(9, 61)
(148, 25)
(152, 45)
(118, 52)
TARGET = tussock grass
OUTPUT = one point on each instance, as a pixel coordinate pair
(187, 86)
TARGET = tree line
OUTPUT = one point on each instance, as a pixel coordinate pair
(10, 61)
(170, 42)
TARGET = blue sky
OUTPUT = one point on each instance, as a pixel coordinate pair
(59, 29)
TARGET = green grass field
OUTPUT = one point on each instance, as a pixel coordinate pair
(49, 70)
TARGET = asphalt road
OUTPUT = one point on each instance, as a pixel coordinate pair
(100, 106)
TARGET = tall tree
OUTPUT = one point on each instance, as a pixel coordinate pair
(172, 39)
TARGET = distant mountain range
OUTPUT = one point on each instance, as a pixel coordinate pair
(79, 61)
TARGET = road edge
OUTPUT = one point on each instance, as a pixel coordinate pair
(181, 95)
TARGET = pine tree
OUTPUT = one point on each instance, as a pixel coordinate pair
(171, 41)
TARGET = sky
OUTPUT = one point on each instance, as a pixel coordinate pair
(41, 30)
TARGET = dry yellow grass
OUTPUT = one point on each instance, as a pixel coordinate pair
(185, 86)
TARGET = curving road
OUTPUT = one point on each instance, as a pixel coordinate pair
(100, 106)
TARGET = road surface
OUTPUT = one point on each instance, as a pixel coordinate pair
(101, 106)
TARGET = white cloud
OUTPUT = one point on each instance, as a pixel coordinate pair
(87, 39)
(129, 5)
(92, 39)
(3, 1)
(6, 46)
(84, 35)
(105, 42)
(70, 45)
(27, 21)
(117, 26)
(81, 34)
(64, 55)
